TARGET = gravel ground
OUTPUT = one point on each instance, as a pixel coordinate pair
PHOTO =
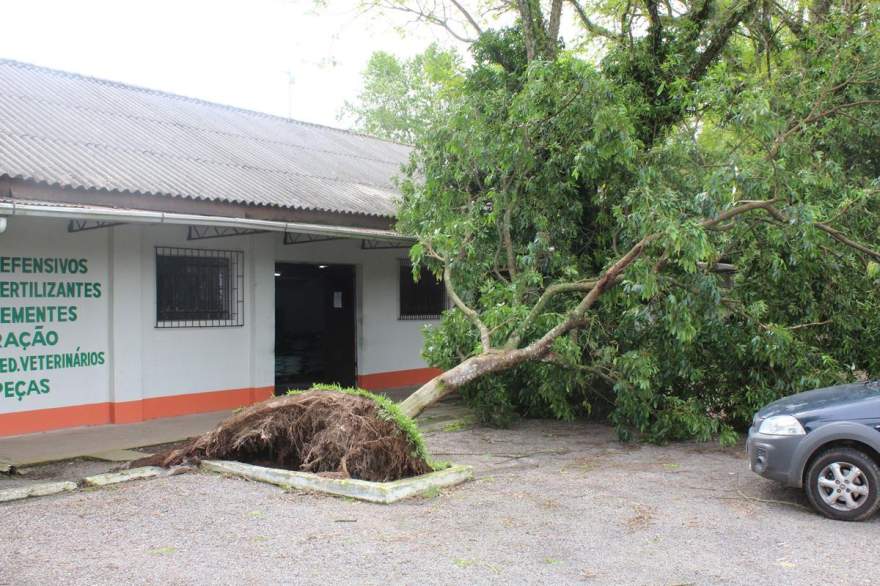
(552, 503)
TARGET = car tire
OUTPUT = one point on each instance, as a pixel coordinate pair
(844, 484)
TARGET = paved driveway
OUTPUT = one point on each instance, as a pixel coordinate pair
(552, 503)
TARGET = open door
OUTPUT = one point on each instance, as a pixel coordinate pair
(315, 336)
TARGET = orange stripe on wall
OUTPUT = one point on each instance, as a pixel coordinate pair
(176, 405)
(399, 378)
(129, 411)
(56, 418)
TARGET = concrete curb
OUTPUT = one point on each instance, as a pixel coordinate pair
(123, 476)
(374, 492)
(97, 481)
(118, 455)
(23, 492)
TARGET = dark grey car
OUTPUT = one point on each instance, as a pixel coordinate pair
(826, 441)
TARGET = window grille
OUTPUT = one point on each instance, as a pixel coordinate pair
(425, 299)
(199, 288)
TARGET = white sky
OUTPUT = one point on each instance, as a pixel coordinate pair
(234, 52)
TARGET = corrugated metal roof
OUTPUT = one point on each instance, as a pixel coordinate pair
(75, 131)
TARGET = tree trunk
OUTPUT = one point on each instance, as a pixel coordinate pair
(428, 394)
(459, 375)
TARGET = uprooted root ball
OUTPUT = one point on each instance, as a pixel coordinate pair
(326, 432)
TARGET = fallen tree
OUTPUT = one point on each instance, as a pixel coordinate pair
(579, 217)
(494, 358)
(585, 219)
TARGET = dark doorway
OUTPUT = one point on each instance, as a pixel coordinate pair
(314, 325)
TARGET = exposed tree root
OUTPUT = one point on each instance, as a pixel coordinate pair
(324, 432)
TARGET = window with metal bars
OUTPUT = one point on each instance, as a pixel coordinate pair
(199, 288)
(422, 299)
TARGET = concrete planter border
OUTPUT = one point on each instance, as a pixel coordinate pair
(374, 492)
(123, 476)
(44, 489)
(96, 481)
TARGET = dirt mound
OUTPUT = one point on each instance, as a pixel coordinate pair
(325, 432)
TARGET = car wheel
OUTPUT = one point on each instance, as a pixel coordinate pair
(844, 484)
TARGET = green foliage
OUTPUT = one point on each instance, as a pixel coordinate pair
(389, 411)
(801, 310)
(400, 97)
(540, 175)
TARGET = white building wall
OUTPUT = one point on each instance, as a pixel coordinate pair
(126, 300)
(262, 303)
(89, 333)
(145, 367)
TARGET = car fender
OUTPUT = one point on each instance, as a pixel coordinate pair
(825, 434)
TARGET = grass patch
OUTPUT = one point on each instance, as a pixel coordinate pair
(460, 424)
(431, 493)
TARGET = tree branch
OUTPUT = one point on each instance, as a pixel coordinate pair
(700, 15)
(508, 244)
(555, 18)
(596, 288)
(549, 293)
(538, 43)
(589, 24)
(467, 16)
(576, 316)
(429, 17)
(552, 359)
(526, 17)
(493, 360)
(819, 10)
(473, 316)
(744, 207)
(655, 29)
(610, 277)
(831, 231)
(810, 325)
(719, 40)
(799, 125)
(795, 25)
(840, 237)
(770, 208)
